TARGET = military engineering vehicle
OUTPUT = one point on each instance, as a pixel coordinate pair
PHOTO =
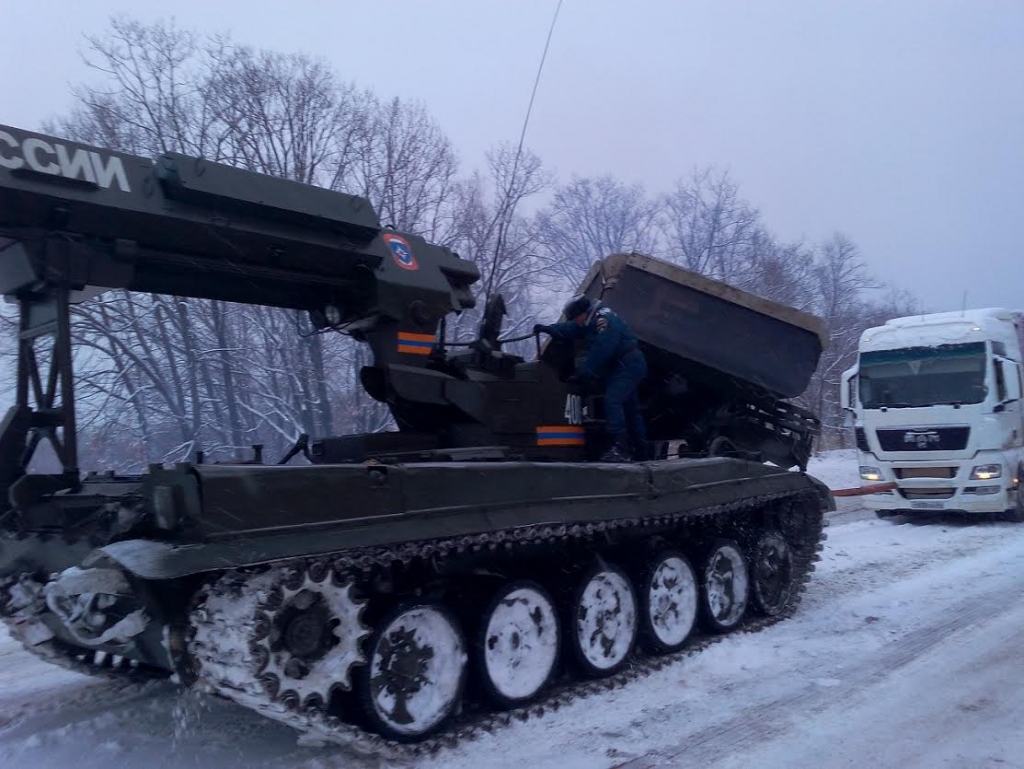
(403, 587)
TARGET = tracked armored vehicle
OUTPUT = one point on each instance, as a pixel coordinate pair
(412, 586)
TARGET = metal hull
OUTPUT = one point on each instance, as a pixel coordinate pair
(244, 516)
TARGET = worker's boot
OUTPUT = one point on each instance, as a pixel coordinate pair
(619, 451)
(641, 452)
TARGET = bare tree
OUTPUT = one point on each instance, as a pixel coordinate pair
(707, 227)
(490, 233)
(286, 114)
(156, 97)
(407, 168)
(782, 272)
(842, 276)
(589, 219)
(843, 284)
(212, 374)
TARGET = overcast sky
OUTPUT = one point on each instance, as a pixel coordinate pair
(900, 123)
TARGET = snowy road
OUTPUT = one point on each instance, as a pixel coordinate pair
(905, 652)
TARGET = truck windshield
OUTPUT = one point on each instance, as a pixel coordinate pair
(923, 376)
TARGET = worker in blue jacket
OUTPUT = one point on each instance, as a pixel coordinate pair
(612, 351)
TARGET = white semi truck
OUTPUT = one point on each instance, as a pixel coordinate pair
(937, 407)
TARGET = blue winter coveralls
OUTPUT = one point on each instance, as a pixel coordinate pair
(612, 348)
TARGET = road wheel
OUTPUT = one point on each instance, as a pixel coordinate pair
(668, 602)
(518, 644)
(771, 572)
(413, 679)
(725, 586)
(603, 620)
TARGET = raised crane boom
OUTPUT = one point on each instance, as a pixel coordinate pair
(87, 217)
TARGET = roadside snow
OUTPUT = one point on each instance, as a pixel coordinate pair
(836, 469)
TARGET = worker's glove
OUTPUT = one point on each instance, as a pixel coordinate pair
(540, 328)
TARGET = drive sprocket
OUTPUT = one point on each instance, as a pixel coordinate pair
(302, 628)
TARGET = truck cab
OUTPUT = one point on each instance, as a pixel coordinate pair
(937, 410)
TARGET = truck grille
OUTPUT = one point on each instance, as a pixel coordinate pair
(927, 493)
(924, 472)
(924, 439)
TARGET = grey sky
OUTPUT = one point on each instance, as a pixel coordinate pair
(899, 123)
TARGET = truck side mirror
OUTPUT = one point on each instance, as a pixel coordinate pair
(1011, 375)
(1008, 381)
(847, 391)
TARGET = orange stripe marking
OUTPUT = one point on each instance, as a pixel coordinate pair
(410, 337)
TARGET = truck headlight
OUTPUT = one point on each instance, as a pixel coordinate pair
(986, 472)
(870, 473)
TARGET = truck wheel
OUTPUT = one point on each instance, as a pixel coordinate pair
(725, 586)
(668, 601)
(1016, 513)
(603, 620)
(517, 647)
(416, 665)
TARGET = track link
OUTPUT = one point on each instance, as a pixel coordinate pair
(96, 664)
(242, 601)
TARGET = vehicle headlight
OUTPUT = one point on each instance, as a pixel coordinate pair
(870, 473)
(986, 472)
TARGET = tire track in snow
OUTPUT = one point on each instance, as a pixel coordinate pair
(91, 704)
(953, 706)
(836, 578)
(756, 724)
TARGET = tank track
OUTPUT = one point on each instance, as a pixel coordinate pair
(227, 670)
(89, 662)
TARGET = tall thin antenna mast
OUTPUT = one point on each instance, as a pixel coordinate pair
(504, 215)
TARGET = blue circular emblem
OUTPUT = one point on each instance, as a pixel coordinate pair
(401, 252)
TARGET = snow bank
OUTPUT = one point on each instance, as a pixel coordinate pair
(836, 469)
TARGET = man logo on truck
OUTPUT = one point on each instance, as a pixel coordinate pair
(921, 438)
(55, 159)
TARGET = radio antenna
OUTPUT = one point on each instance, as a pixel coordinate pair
(504, 215)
